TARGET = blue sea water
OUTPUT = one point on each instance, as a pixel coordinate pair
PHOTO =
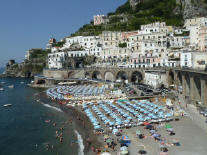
(23, 130)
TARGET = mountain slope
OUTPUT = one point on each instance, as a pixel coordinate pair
(133, 13)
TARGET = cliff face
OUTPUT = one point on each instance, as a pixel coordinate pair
(193, 8)
(23, 70)
(188, 8)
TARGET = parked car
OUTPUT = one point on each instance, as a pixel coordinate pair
(202, 110)
(205, 113)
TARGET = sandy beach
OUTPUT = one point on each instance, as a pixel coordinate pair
(190, 136)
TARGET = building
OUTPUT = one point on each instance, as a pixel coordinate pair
(202, 44)
(154, 28)
(100, 19)
(30, 52)
(199, 21)
(177, 42)
(195, 60)
(194, 36)
(155, 79)
(56, 60)
(52, 41)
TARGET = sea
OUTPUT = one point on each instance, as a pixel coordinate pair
(23, 126)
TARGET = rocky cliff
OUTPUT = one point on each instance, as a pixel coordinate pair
(188, 8)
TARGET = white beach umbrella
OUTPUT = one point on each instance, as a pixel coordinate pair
(105, 153)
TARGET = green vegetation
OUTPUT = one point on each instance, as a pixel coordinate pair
(146, 12)
(122, 45)
(59, 44)
(39, 53)
(185, 33)
(89, 60)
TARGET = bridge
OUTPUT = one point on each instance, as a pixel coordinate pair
(193, 82)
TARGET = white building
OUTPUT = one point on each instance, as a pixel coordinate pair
(99, 19)
(194, 36)
(200, 21)
(155, 79)
(196, 60)
(77, 53)
(56, 60)
(177, 41)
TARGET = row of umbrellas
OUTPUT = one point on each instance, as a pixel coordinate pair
(145, 111)
(78, 90)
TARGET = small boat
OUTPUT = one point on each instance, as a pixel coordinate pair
(3, 82)
(1, 89)
(7, 105)
(11, 86)
(22, 82)
(47, 121)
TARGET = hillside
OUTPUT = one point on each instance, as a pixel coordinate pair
(134, 13)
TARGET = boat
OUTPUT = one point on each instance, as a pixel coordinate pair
(11, 86)
(22, 82)
(1, 89)
(47, 121)
(3, 82)
(7, 105)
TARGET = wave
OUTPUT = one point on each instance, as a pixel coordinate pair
(52, 107)
(80, 143)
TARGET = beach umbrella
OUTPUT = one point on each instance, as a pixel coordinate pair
(106, 136)
(152, 131)
(138, 132)
(105, 153)
(124, 152)
(125, 137)
(109, 140)
(168, 126)
(146, 123)
(123, 148)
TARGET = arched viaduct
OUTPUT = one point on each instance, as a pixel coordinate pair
(194, 83)
(113, 74)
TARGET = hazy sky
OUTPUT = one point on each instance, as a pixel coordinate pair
(26, 24)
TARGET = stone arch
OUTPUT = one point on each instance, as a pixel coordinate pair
(87, 75)
(197, 90)
(121, 76)
(171, 77)
(136, 77)
(187, 84)
(109, 76)
(70, 74)
(96, 75)
(41, 81)
(179, 77)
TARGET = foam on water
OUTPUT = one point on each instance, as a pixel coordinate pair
(80, 143)
(52, 107)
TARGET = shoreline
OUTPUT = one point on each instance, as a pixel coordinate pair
(80, 123)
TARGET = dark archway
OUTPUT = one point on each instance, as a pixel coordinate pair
(96, 75)
(180, 80)
(171, 77)
(78, 64)
(28, 74)
(70, 74)
(136, 77)
(87, 75)
(197, 90)
(41, 81)
(121, 76)
(187, 85)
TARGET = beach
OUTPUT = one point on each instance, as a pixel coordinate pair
(183, 127)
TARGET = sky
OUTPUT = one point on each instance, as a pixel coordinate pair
(26, 24)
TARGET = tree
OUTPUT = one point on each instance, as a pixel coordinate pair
(89, 60)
